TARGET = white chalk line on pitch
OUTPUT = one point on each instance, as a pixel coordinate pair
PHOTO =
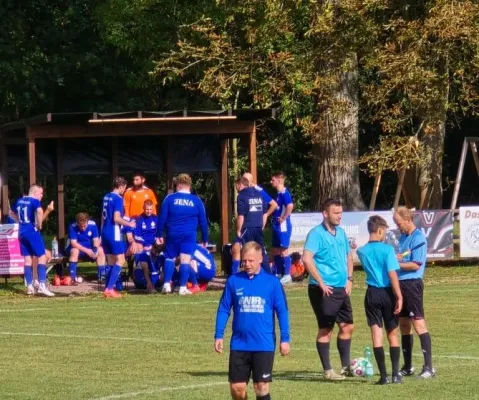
(159, 390)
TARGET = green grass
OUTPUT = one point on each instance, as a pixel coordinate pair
(155, 346)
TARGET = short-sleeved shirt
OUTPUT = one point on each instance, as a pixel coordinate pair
(266, 197)
(251, 206)
(283, 199)
(112, 202)
(83, 238)
(416, 244)
(26, 208)
(330, 255)
(135, 198)
(377, 259)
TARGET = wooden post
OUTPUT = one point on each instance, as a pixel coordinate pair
(4, 183)
(32, 166)
(169, 165)
(60, 206)
(460, 171)
(377, 182)
(473, 145)
(224, 200)
(252, 154)
(397, 197)
(234, 150)
(114, 157)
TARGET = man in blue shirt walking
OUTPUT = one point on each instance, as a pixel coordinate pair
(255, 297)
(180, 215)
(412, 261)
(328, 260)
(383, 300)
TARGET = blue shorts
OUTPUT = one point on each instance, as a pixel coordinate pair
(82, 256)
(205, 274)
(184, 244)
(281, 239)
(31, 244)
(112, 247)
(251, 235)
(140, 281)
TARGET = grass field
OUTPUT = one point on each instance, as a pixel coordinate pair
(157, 347)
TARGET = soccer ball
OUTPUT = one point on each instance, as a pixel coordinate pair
(79, 279)
(358, 367)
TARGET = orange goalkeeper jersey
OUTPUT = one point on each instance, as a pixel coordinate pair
(134, 199)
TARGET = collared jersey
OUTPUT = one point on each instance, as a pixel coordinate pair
(283, 199)
(251, 206)
(416, 244)
(330, 254)
(135, 198)
(180, 214)
(377, 259)
(254, 301)
(26, 207)
(266, 197)
(84, 238)
(145, 230)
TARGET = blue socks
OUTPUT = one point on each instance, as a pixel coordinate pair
(193, 277)
(184, 272)
(28, 272)
(235, 266)
(278, 263)
(168, 270)
(73, 270)
(114, 275)
(287, 265)
(42, 273)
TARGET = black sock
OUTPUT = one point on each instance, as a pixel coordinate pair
(406, 344)
(323, 351)
(380, 359)
(395, 354)
(265, 397)
(426, 349)
(344, 348)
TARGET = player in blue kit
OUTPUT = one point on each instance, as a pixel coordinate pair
(29, 214)
(269, 202)
(412, 261)
(203, 268)
(383, 300)
(84, 245)
(111, 222)
(255, 297)
(282, 228)
(180, 215)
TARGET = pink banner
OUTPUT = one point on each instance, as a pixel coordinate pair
(11, 260)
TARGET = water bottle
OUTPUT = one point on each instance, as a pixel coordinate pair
(54, 247)
(368, 356)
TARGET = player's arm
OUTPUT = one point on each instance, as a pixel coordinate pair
(393, 267)
(203, 222)
(223, 314)
(13, 215)
(313, 271)
(48, 210)
(74, 243)
(280, 306)
(146, 272)
(160, 225)
(39, 218)
(127, 202)
(120, 221)
(242, 208)
(154, 200)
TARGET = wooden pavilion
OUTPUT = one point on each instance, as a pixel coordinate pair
(161, 131)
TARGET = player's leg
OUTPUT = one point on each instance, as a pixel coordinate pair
(391, 324)
(346, 328)
(286, 260)
(172, 250)
(262, 369)
(187, 247)
(39, 251)
(100, 261)
(240, 366)
(115, 260)
(257, 236)
(406, 329)
(73, 262)
(276, 253)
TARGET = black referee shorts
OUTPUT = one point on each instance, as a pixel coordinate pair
(244, 363)
(330, 309)
(413, 298)
(379, 304)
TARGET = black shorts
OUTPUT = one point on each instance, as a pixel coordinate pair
(243, 363)
(251, 235)
(413, 298)
(330, 309)
(379, 304)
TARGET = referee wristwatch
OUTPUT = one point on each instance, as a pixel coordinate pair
(350, 278)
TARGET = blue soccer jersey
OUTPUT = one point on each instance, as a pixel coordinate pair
(251, 205)
(111, 234)
(378, 259)
(26, 208)
(415, 245)
(330, 255)
(205, 264)
(145, 230)
(84, 238)
(266, 197)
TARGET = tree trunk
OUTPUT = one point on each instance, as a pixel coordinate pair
(335, 149)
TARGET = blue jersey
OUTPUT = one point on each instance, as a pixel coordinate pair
(251, 206)
(330, 255)
(26, 208)
(266, 197)
(284, 200)
(206, 267)
(112, 202)
(84, 238)
(416, 245)
(378, 259)
(145, 230)
(254, 302)
(180, 215)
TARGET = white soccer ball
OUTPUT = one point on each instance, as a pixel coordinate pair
(358, 367)
(79, 279)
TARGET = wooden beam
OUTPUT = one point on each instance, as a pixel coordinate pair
(114, 157)
(397, 197)
(159, 119)
(460, 170)
(224, 200)
(60, 206)
(169, 165)
(32, 161)
(377, 182)
(252, 153)
(473, 145)
(4, 184)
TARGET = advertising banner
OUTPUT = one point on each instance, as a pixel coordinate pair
(469, 231)
(11, 260)
(437, 226)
